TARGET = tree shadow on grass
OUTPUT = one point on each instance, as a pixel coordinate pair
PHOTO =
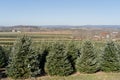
(2, 73)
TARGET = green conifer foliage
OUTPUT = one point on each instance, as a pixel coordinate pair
(73, 53)
(110, 58)
(33, 61)
(2, 58)
(87, 62)
(44, 50)
(23, 60)
(58, 62)
(118, 48)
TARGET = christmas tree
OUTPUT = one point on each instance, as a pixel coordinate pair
(58, 62)
(87, 62)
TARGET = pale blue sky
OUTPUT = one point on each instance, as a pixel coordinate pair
(59, 12)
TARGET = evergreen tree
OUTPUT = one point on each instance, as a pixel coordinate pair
(58, 62)
(110, 58)
(73, 53)
(2, 58)
(87, 62)
(7, 51)
(33, 61)
(23, 60)
(118, 48)
(44, 48)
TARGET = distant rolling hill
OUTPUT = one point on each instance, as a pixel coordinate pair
(37, 28)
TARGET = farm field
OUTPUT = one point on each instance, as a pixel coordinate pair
(8, 38)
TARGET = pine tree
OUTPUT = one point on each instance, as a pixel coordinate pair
(110, 58)
(2, 58)
(118, 48)
(44, 48)
(7, 51)
(33, 61)
(58, 62)
(87, 62)
(23, 60)
(73, 53)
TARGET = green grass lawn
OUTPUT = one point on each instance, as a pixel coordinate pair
(77, 76)
(96, 76)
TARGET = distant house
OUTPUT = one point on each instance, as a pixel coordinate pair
(114, 32)
(13, 30)
(19, 31)
(96, 37)
(105, 35)
(16, 31)
(114, 35)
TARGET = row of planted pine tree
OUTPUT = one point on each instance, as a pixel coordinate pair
(58, 58)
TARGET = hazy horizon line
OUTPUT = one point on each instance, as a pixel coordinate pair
(64, 25)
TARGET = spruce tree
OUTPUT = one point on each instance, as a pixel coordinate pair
(23, 60)
(73, 53)
(118, 48)
(2, 58)
(110, 58)
(58, 62)
(44, 48)
(87, 62)
(33, 61)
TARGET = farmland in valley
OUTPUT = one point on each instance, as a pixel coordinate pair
(7, 38)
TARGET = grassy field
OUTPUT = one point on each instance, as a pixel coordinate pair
(8, 38)
(77, 76)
